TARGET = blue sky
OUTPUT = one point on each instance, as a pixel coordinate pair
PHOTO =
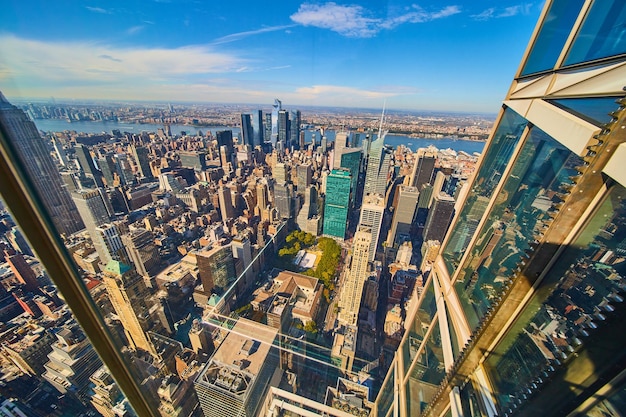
(432, 55)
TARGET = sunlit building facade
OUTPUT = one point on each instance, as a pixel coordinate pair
(522, 313)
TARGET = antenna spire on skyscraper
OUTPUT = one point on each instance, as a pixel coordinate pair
(382, 117)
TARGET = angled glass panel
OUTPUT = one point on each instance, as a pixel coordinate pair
(426, 374)
(551, 38)
(384, 402)
(419, 326)
(453, 337)
(579, 295)
(523, 205)
(602, 35)
(592, 109)
(496, 159)
(610, 405)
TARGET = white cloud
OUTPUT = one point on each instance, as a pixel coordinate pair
(90, 70)
(241, 35)
(97, 10)
(84, 62)
(485, 14)
(135, 29)
(358, 22)
(510, 11)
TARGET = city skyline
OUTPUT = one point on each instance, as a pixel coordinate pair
(331, 54)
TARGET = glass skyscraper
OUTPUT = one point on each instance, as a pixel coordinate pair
(337, 203)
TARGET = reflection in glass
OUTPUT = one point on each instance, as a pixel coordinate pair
(592, 109)
(426, 374)
(603, 33)
(470, 401)
(385, 398)
(453, 337)
(494, 163)
(575, 296)
(612, 405)
(554, 31)
(523, 205)
(419, 327)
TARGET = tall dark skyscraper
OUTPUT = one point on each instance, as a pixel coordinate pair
(142, 159)
(86, 164)
(423, 168)
(439, 217)
(295, 120)
(35, 157)
(247, 131)
(225, 138)
(276, 108)
(283, 128)
(258, 129)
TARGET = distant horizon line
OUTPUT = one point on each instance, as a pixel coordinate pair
(47, 100)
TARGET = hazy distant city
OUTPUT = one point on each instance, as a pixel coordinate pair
(416, 124)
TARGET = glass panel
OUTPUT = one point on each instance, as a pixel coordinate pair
(592, 109)
(384, 402)
(603, 33)
(426, 374)
(575, 296)
(470, 401)
(612, 405)
(453, 337)
(48, 358)
(420, 324)
(551, 38)
(494, 163)
(521, 208)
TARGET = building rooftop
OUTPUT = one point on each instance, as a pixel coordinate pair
(239, 359)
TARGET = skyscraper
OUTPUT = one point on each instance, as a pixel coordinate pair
(283, 200)
(338, 148)
(276, 108)
(235, 379)
(351, 159)
(257, 128)
(423, 168)
(142, 251)
(21, 270)
(337, 203)
(94, 213)
(216, 268)
(372, 213)
(352, 289)
(295, 119)
(522, 313)
(128, 295)
(403, 215)
(377, 171)
(439, 217)
(85, 161)
(226, 205)
(283, 128)
(247, 132)
(40, 167)
(304, 175)
(225, 138)
(142, 160)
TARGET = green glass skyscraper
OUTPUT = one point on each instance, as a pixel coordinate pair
(337, 203)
